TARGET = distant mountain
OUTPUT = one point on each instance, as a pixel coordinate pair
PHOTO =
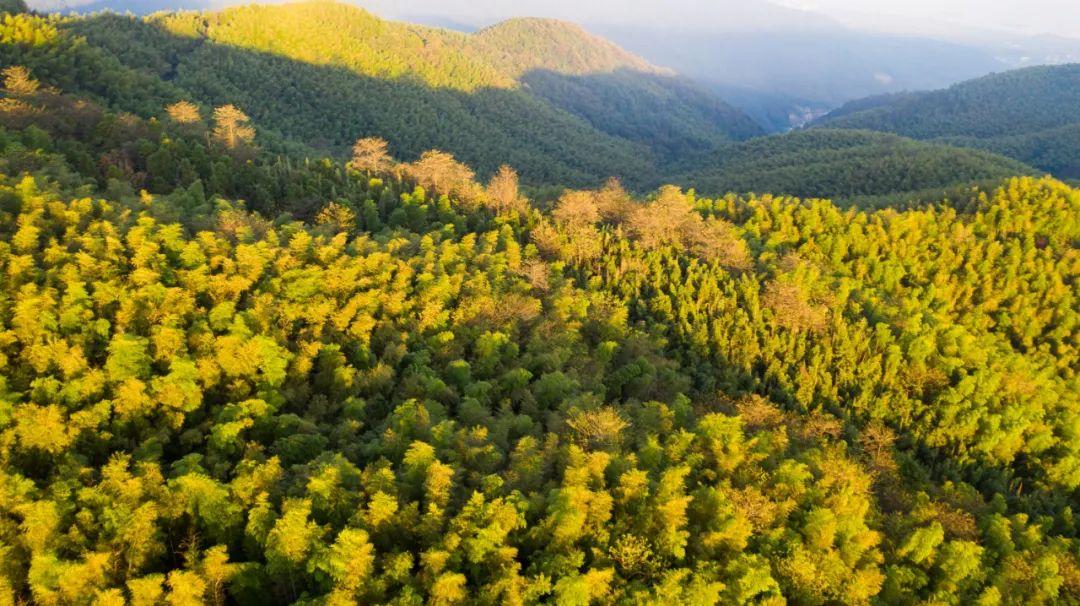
(776, 112)
(846, 165)
(1031, 114)
(867, 104)
(520, 45)
(782, 66)
(618, 92)
(563, 105)
(825, 66)
(1010, 47)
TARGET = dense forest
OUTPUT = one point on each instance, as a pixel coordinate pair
(1031, 114)
(234, 370)
(313, 74)
(568, 108)
(846, 164)
(229, 376)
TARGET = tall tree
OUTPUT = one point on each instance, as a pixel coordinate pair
(504, 193)
(371, 155)
(184, 112)
(231, 128)
(440, 173)
(18, 81)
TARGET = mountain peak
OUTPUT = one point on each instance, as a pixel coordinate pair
(529, 43)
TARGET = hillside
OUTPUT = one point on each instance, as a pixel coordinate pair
(615, 91)
(785, 66)
(321, 74)
(825, 163)
(1030, 114)
(521, 45)
(867, 104)
(546, 96)
(228, 377)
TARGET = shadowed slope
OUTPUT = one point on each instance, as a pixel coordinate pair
(323, 73)
(1030, 114)
(846, 164)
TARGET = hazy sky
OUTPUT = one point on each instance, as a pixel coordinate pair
(1061, 17)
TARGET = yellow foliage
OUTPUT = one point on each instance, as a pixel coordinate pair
(186, 588)
(42, 428)
(448, 589)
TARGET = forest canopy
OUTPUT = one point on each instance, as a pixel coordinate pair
(232, 377)
(563, 107)
(1030, 114)
(846, 164)
(317, 74)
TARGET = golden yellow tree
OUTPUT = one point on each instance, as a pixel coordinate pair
(439, 172)
(716, 240)
(338, 216)
(504, 193)
(662, 221)
(231, 128)
(792, 306)
(371, 155)
(613, 202)
(576, 209)
(183, 112)
(18, 82)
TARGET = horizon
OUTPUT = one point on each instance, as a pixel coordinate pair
(1058, 18)
(782, 61)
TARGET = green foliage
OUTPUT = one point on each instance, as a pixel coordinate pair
(850, 165)
(322, 74)
(1029, 114)
(227, 376)
(69, 63)
(12, 6)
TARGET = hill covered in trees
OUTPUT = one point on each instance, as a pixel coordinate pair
(229, 376)
(567, 107)
(847, 164)
(1032, 115)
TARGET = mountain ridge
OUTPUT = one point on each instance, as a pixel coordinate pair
(531, 43)
(847, 165)
(424, 88)
(1029, 114)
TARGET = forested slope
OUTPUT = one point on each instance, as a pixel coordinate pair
(848, 164)
(1030, 114)
(615, 91)
(230, 377)
(568, 108)
(317, 75)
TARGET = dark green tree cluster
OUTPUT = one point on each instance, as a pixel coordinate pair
(229, 377)
(1029, 114)
(313, 74)
(851, 165)
(12, 6)
(563, 106)
(68, 62)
